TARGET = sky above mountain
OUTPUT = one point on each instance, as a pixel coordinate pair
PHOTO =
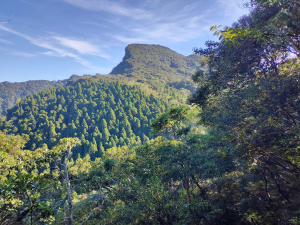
(53, 39)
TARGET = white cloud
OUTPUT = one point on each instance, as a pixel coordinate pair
(129, 40)
(177, 31)
(82, 47)
(111, 7)
(61, 47)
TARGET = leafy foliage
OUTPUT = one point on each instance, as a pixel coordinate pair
(23, 188)
(249, 96)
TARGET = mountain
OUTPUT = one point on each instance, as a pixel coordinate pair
(158, 62)
(153, 68)
(157, 59)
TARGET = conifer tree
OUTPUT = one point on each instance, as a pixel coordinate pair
(93, 147)
(105, 135)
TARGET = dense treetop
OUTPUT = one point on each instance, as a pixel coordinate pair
(101, 114)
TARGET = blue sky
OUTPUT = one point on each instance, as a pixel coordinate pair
(53, 39)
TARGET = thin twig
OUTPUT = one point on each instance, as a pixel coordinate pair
(9, 18)
(97, 208)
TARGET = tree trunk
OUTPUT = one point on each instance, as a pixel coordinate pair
(69, 221)
(187, 188)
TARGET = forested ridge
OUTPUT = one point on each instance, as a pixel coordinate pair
(228, 156)
(151, 67)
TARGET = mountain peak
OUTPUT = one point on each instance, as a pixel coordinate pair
(157, 58)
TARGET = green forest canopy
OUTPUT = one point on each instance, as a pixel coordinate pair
(101, 114)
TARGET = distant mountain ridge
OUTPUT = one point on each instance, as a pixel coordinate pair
(156, 58)
(12, 93)
(150, 67)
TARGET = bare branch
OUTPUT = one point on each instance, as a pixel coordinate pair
(65, 214)
(69, 188)
(9, 18)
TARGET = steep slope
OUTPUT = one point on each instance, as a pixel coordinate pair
(101, 114)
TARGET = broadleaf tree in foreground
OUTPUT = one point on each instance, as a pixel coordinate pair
(250, 96)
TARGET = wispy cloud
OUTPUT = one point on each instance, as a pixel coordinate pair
(17, 53)
(111, 7)
(157, 21)
(129, 40)
(183, 30)
(165, 31)
(82, 47)
(5, 41)
(22, 54)
(233, 8)
(94, 24)
(61, 47)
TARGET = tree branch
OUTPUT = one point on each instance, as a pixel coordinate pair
(95, 209)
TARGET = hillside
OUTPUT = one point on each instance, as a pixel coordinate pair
(101, 114)
(153, 68)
